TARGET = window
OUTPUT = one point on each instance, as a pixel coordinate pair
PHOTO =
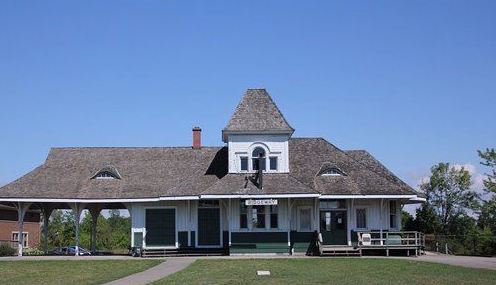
(258, 154)
(258, 217)
(107, 173)
(15, 237)
(243, 215)
(274, 223)
(244, 163)
(273, 163)
(361, 218)
(392, 214)
(331, 172)
(304, 219)
(325, 220)
(332, 204)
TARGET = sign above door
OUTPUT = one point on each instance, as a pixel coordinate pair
(261, 202)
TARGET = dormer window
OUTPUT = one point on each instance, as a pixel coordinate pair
(258, 154)
(332, 172)
(107, 173)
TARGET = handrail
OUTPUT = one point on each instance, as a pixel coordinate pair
(393, 238)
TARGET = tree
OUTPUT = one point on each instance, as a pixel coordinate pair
(489, 159)
(407, 221)
(426, 220)
(448, 193)
(487, 217)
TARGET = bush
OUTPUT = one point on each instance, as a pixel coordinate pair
(6, 250)
(33, 252)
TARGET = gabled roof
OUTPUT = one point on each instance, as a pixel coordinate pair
(307, 155)
(154, 172)
(146, 172)
(257, 113)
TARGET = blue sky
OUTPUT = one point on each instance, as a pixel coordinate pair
(413, 82)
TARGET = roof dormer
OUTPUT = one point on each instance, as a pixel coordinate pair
(257, 125)
(107, 173)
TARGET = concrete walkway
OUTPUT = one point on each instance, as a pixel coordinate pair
(465, 261)
(164, 269)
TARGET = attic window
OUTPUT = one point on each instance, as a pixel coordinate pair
(258, 154)
(107, 174)
(332, 172)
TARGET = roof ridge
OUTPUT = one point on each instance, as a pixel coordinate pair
(278, 110)
(394, 176)
(135, 147)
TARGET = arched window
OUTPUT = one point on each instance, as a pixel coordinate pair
(332, 172)
(107, 173)
(258, 154)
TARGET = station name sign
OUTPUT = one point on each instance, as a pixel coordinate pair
(261, 202)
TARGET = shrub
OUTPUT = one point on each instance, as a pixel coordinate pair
(6, 250)
(33, 252)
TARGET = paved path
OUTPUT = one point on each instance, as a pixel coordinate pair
(465, 261)
(164, 269)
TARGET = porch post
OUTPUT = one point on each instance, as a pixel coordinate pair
(289, 225)
(95, 213)
(349, 222)
(381, 222)
(315, 215)
(77, 208)
(21, 211)
(189, 223)
(229, 220)
(47, 212)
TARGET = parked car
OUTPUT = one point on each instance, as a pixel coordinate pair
(59, 251)
(82, 251)
(71, 250)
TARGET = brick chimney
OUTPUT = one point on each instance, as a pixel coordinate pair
(196, 138)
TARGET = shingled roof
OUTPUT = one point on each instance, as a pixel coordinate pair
(308, 155)
(161, 172)
(257, 113)
(182, 171)
(148, 172)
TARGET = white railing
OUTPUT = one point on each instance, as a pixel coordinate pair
(399, 239)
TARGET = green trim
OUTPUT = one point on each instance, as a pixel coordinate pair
(260, 248)
(209, 227)
(259, 237)
(300, 241)
(160, 227)
(192, 235)
(259, 242)
(182, 239)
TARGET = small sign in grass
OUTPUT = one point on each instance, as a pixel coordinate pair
(263, 273)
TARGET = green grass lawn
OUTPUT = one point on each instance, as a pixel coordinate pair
(328, 271)
(69, 271)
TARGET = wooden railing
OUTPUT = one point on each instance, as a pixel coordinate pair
(398, 239)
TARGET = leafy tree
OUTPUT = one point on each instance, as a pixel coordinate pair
(112, 233)
(487, 217)
(426, 220)
(407, 221)
(448, 194)
(489, 159)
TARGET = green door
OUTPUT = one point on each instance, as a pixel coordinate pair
(209, 227)
(160, 227)
(333, 227)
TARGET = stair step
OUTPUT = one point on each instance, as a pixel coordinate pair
(181, 252)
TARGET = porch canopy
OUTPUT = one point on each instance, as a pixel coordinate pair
(107, 178)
